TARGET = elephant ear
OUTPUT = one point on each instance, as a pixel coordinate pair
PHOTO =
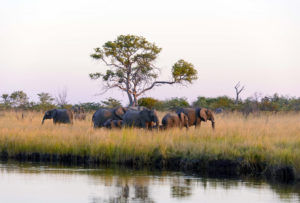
(203, 114)
(210, 115)
(119, 112)
(53, 113)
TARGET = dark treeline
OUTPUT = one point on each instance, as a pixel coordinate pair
(274, 103)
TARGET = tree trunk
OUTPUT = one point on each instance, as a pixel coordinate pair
(237, 99)
(135, 100)
(130, 99)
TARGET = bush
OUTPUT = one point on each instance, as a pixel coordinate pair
(223, 102)
(148, 102)
(174, 103)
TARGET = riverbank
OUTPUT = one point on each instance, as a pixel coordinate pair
(267, 145)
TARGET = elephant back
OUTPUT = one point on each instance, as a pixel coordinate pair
(102, 115)
(63, 116)
(131, 117)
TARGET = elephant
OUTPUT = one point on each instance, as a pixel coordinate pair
(102, 115)
(219, 110)
(175, 120)
(79, 113)
(59, 116)
(113, 124)
(79, 116)
(196, 115)
(143, 119)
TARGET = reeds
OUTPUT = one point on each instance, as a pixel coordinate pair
(270, 138)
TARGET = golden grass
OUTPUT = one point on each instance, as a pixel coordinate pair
(270, 138)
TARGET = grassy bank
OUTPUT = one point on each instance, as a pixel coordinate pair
(270, 140)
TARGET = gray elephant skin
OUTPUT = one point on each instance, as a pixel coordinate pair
(102, 115)
(196, 115)
(113, 124)
(143, 119)
(59, 116)
(172, 120)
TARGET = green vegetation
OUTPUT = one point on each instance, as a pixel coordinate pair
(20, 101)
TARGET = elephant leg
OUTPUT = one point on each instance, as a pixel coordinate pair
(187, 127)
(198, 123)
(213, 125)
(149, 125)
(143, 124)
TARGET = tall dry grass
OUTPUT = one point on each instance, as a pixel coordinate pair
(270, 138)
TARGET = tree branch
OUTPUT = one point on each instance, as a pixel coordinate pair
(156, 83)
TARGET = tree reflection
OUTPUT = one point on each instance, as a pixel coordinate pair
(181, 188)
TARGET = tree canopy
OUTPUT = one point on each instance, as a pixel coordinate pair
(131, 66)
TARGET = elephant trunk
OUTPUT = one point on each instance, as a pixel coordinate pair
(43, 120)
(212, 121)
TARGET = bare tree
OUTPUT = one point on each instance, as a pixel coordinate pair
(238, 91)
(61, 98)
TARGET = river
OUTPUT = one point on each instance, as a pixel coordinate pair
(28, 182)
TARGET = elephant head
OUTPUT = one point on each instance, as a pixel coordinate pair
(184, 120)
(206, 114)
(49, 115)
(119, 112)
(149, 116)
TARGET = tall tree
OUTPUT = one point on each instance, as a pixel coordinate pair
(45, 98)
(5, 99)
(19, 99)
(130, 61)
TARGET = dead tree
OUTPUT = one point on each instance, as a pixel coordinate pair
(61, 98)
(238, 90)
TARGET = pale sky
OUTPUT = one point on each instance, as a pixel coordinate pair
(45, 44)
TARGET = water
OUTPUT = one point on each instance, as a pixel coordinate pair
(43, 183)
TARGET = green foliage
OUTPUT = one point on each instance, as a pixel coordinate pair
(19, 99)
(90, 106)
(45, 98)
(213, 103)
(128, 54)
(111, 103)
(183, 71)
(6, 104)
(175, 103)
(148, 102)
(45, 102)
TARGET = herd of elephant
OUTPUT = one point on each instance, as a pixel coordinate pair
(140, 117)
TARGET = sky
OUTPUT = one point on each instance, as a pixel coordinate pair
(45, 45)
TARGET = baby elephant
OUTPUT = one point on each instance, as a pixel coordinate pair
(172, 120)
(112, 124)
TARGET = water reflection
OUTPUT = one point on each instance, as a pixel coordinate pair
(19, 182)
(181, 188)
